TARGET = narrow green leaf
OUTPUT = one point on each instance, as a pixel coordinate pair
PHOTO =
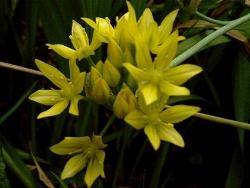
(4, 182)
(14, 162)
(236, 172)
(17, 104)
(183, 46)
(159, 165)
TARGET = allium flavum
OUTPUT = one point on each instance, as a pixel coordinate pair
(135, 80)
(69, 91)
(87, 153)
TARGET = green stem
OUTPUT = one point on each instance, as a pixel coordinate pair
(108, 124)
(221, 120)
(90, 61)
(196, 48)
(159, 165)
(219, 22)
(237, 124)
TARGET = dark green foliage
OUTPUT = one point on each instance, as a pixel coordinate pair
(215, 155)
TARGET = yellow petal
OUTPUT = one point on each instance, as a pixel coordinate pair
(149, 92)
(115, 54)
(94, 168)
(137, 74)
(180, 74)
(55, 109)
(166, 26)
(167, 51)
(79, 37)
(74, 70)
(178, 113)
(153, 136)
(97, 142)
(74, 165)
(53, 74)
(136, 119)
(63, 51)
(173, 90)
(90, 22)
(70, 145)
(79, 82)
(168, 133)
(73, 109)
(143, 57)
(46, 97)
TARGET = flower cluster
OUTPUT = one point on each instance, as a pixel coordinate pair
(135, 79)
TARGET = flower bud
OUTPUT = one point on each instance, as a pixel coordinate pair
(97, 88)
(110, 74)
(115, 54)
(101, 92)
(124, 103)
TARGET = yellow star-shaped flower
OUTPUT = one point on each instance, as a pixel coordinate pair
(59, 99)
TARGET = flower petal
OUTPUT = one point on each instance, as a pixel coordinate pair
(137, 74)
(71, 145)
(95, 168)
(136, 119)
(73, 109)
(178, 113)
(173, 90)
(153, 136)
(46, 97)
(79, 82)
(168, 133)
(143, 58)
(167, 51)
(149, 92)
(166, 26)
(63, 51)
(74, 165)
(53, 74)
(55, 109)
(180, 74)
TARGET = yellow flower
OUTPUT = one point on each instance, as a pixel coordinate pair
(158, 123)
(87, 153)
(102, 27)
(80, 42)
(69, 91)
(155, 78)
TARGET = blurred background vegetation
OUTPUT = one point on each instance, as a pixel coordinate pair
(215, 155)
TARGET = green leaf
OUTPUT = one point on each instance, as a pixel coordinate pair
(139, 6)
(4, 182)
(17, 104)
(14, 162)
(183, 46)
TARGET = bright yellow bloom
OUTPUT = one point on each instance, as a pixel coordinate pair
(80, 42)
(158, 123)
(59, 99)
(155, 78)
(87, 153)
(103, 28)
